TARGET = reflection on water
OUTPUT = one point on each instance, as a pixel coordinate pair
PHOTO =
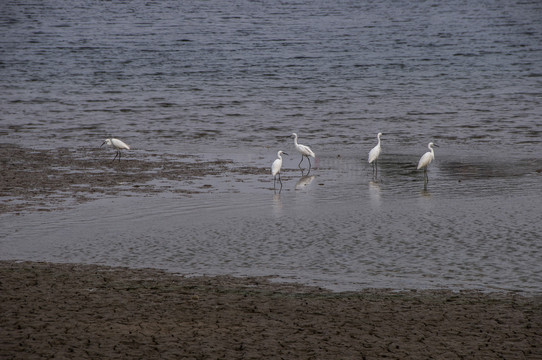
(277, 204)
(374, 193)
(304, 182)
(425, 192)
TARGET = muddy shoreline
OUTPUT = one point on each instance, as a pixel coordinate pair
(44, 180)
(87, 311)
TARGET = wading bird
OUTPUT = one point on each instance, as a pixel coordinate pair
(425, 160)
(275, 168)
(117, 144)
(373, 156)
(304, 150)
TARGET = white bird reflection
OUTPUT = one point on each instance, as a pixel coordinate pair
(374, 193)
(304, 182)
(277, 204)
(425, 193)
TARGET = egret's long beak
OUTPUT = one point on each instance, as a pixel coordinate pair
(103, 144)
(435, 145)
(283, 153)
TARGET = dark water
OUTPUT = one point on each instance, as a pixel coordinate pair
(234, 79)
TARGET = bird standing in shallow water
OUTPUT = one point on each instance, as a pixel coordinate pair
(425, 160)
(117, 144)
(275, 168)
(373, 156)
(304, 150)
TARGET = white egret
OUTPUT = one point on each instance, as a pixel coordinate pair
(374, 154)
(304, 150)
(117, 144)
(425, 160)
(275, 168)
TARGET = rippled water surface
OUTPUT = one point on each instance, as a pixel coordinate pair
(232, 80)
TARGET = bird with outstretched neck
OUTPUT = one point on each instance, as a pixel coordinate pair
(117, 145)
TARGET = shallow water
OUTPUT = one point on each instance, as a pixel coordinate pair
(330, 229)
(233, 80)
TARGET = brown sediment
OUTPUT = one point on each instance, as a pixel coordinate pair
(47, 179)
(86, 311)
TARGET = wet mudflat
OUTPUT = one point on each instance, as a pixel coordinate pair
(45, 180)
(81, 311)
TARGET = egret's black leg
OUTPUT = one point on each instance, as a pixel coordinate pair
(299, 165)
(280, 181)
(308, 158)
(116, 154)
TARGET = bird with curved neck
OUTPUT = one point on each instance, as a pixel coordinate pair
(425, 160)
(275, 168)
(373, 156)
(304, 150)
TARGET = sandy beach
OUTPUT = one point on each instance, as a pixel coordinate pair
(86, 311)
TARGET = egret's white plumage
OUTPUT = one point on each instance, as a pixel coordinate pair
(117, 144)
(374, 154)
(426, 159)
(275, 168)
(304, 150)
